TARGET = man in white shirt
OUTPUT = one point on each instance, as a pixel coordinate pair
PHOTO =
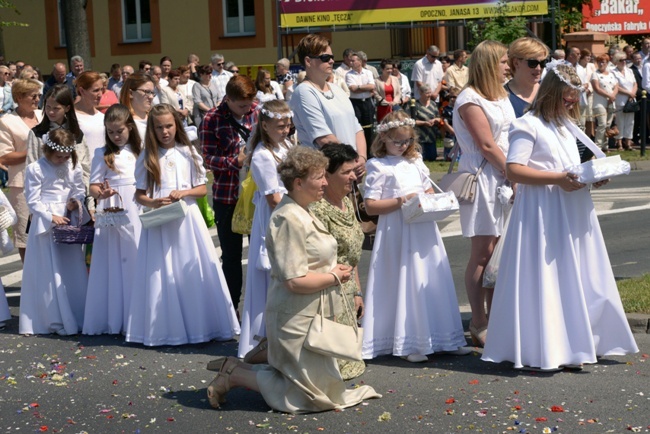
(362, 88)
(364, 62)
(127, 70)
(645, 49)
(428, 70)
(405, 84)
(345, 66)
(220, 77)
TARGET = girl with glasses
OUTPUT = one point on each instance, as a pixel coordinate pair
(411, 308)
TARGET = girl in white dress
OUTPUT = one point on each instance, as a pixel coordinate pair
(112, 184)
(555, 303)
(179, 292)
(6, 246)
(271, 146)
(411, 308)
(53, 293)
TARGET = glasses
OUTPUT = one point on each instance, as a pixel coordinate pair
(36, 96)
(569, 101)
(534, 63)
(235, 71)
(323, 57)
(220, 63)
(150, 93)
(452, 97)
(399, 144)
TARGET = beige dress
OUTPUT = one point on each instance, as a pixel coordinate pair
(299, 380)
(345, 228)
(13, 138)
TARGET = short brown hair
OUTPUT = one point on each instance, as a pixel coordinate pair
(311, 45)
(23, 87)
(299, 163)
(240, 87)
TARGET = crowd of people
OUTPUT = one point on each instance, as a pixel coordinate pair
(311, 141)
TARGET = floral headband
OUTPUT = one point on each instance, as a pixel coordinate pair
(276, 115)
(385, 126)
(56, 146)
(564, 79)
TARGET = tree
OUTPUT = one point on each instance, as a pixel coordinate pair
(8, 4)
(502, 27)
(568, 16)
(76, 30)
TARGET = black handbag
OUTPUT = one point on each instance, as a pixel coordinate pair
(631, 106)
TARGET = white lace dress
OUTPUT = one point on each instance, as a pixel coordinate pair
(179, 294)
(410, 298)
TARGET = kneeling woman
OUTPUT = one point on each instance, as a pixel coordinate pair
(298, 380)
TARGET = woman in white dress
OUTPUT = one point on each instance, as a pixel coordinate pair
(627, 88)
(137, 95)
(53, 293)
(556, 303)
(179, 292)
(112, 184)
(482, 117)
(91, 120)
(271, 146)
(605, 90)
(411, 308)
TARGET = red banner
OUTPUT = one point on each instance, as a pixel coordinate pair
(617, 17)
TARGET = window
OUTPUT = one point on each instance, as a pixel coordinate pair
(239, 17)
(62, 41)
(136, 21)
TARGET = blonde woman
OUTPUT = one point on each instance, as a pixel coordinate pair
(605, 90)
(526, 59)
(482, 117)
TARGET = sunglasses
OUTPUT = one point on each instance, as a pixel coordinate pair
(323, 57)
(534, 63)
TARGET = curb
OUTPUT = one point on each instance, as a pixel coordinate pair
(639, 322)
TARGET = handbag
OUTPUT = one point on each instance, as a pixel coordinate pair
(6, 219)
(462, 184)
(631, 106)
(430, 207)
(333, 339)
(368, 222)
(164, 214)
(492, 268)
(242, 217)
(114, 216)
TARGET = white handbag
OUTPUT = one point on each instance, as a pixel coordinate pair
(164, 214)
(429, 207)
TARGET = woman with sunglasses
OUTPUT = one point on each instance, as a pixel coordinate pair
(605, 90)
(482, 117)
(137, 95)
(323, 113)
(14, 132)
(205, 94)
(556, 304)
(527, 59)
(6, 101)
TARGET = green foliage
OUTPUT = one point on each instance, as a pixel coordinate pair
(501, 27)
(635, 294)
(8, 4)
(568, 16)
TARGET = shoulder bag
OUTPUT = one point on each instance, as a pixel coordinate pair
(333, 339)
(430, 207)
(462, 184)
(242, 217)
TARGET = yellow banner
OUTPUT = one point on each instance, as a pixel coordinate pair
(405, 15)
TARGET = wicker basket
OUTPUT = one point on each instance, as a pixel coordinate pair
(69, 234)
(5, 217)
(112, 217)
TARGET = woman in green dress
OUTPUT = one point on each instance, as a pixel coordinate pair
(336, 211)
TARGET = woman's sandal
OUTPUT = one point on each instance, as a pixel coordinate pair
(478, 335)
(216, 364)
(258, 354)
(220, 386)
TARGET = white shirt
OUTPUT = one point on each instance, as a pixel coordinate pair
(645, 75)
(426, 73)
(354, 78)
(221, 80)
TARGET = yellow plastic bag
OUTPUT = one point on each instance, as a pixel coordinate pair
(242, 218)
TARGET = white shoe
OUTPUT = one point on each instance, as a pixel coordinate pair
(416, 358)
(461, 351)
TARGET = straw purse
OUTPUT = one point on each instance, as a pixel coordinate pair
(74, 234)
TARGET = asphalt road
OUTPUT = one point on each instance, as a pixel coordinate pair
(99, 384)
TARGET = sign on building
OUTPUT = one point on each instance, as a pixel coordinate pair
(618, 17)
